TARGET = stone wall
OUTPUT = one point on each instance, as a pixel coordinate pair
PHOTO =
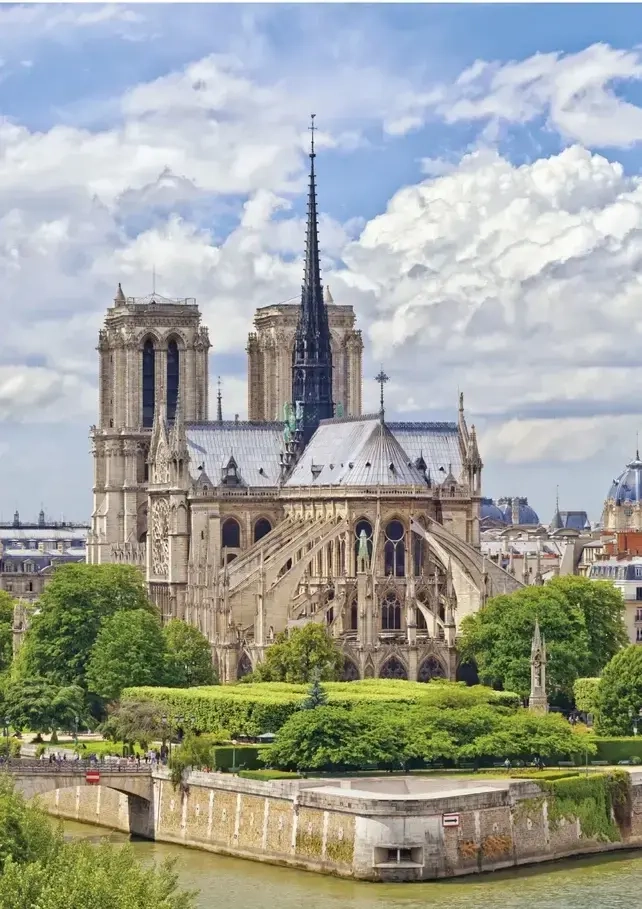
(336, 827)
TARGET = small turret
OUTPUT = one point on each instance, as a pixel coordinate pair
(119, 299)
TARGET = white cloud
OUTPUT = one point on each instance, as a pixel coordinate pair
(573, 91)
(521, 285)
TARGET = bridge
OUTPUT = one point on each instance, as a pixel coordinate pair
(33, 778)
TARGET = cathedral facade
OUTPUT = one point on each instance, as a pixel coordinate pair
(307, 512)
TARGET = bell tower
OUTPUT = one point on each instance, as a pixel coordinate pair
(149, 348)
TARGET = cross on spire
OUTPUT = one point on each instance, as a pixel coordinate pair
(219, 402)
(381, 378)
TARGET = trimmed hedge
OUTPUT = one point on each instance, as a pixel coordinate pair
(615, 750)
(268, 775)
(251, 709)
(249, 757)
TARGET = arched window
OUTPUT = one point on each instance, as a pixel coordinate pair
(244, 666)
(354, 616)
(431, 668)
(261, 529)
(394, 551)
(393, 669)
(149, 379)
(419, 552)
(350, 672)
(231, 534)
(421, 621)
(366, 527)
(173, 369)
(390, 612)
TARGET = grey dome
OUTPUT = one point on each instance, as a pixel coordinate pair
(628, 486)
(492, 512)
(527, 515)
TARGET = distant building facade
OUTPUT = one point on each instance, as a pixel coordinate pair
(30, 551)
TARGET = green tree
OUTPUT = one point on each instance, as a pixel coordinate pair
(297, 654)
(620, 692)
(129, 650)
(587, 695)
(39, 705)
(602, 606)
(194, 753)
(6, 630)
(317, 695)
(499, 638)
(27, 836)
(333, 737)
(189, 656)
(72, 609)
(133, 721)
(527, 735)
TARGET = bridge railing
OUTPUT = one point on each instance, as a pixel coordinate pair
(80, 766)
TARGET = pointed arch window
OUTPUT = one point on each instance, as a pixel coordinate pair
(231, 534)
(394, 550)
(261, 529)
(149, 383)
(173, 371)
(354, 616)
(390, 612)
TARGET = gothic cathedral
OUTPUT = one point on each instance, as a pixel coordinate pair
(307, 512)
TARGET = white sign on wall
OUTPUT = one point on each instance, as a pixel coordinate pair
(450, 820)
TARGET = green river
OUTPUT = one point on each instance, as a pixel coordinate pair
(613, 882)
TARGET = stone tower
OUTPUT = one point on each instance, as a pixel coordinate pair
(308, 354)
(270, 350)
(538, 700)
(148, 348)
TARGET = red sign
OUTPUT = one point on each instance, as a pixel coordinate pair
(92, 776)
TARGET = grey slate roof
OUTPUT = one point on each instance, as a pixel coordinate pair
(351, 451)
(438, 443)
(254, 446)
(355, 452)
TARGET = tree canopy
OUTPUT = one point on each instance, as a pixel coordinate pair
(620, 692)
(331, 738)
(297, 655)
(134, 721)
(72, 609)
(580, 619)
(39, 705)
(6, 630)
(38, 868)
(129, 650)
(189, 656)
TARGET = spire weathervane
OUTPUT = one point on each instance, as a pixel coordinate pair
(381, 378)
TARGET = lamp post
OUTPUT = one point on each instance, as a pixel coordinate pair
(6, 734)
(76, 721)
(234, 744)
(635, 719)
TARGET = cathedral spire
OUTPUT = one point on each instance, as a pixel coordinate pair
(219, 403)
(312, 356)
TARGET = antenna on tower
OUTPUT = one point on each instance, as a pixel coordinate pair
(219, 402)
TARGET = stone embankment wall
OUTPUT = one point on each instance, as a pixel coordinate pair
(330, 827)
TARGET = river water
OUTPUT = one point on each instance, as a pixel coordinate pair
(613, 882)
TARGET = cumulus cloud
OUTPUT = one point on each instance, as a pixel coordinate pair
(518, 284)
(575, 92)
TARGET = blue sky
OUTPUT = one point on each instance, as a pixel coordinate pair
(482, 210)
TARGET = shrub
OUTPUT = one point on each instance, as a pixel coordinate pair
(251, 709)
(586, 693)
(615, 750)
(594, 800)
(268, 775)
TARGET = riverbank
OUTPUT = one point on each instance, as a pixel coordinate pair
(377, 828)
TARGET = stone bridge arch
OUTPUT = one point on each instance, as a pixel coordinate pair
(137, 787)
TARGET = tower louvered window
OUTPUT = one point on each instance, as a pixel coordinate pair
(173, 369)
(149, 389)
